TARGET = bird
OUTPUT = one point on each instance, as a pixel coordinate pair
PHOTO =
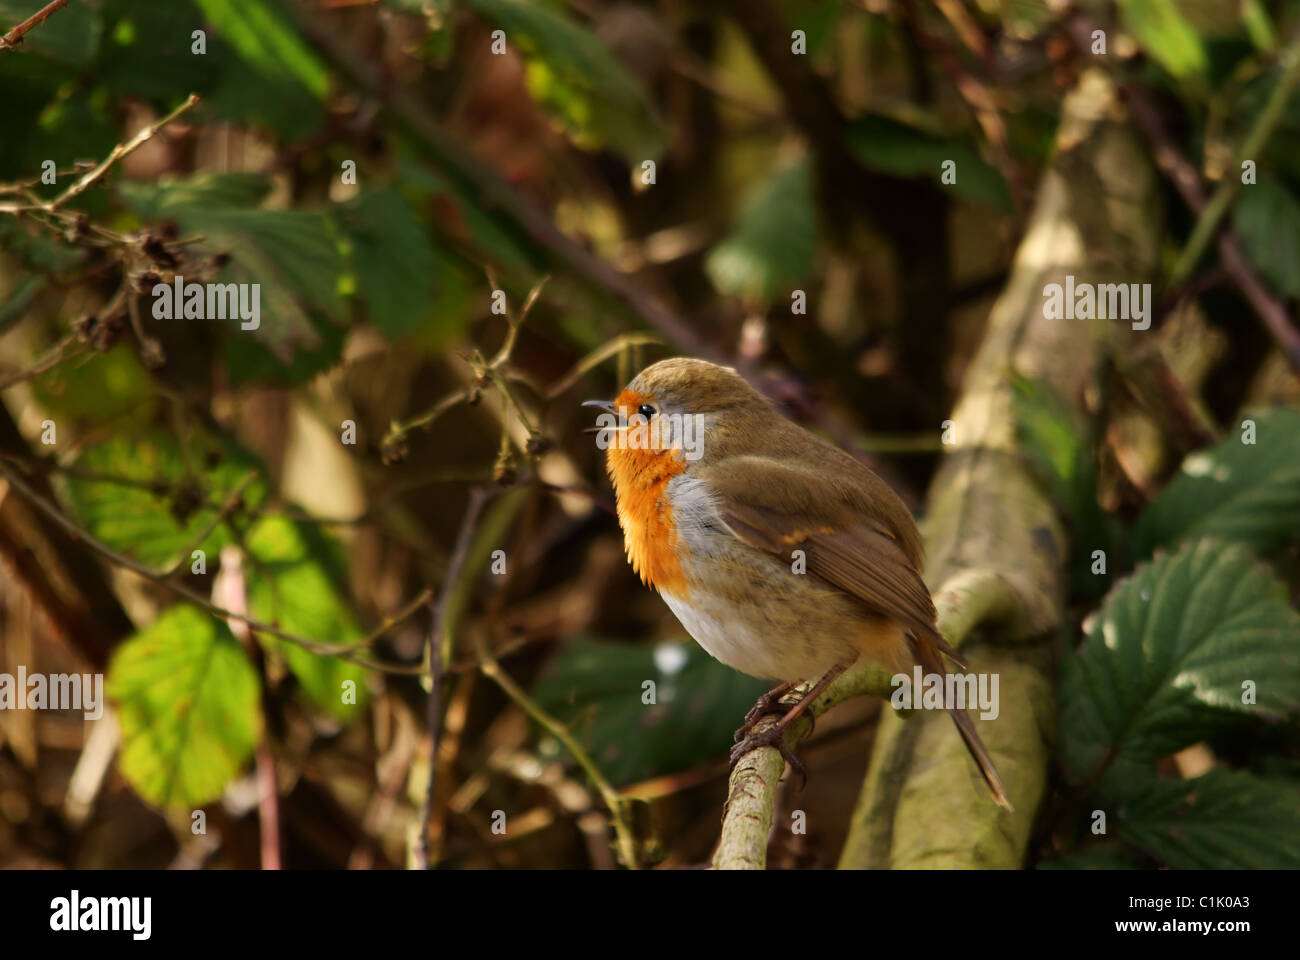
(783, 556)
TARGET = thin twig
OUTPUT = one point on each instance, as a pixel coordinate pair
(15, 36)
(232, 501)
(598, 356)
(51, 359)
(437, 654)
(617, 805)
(484, 372)
(119, 152)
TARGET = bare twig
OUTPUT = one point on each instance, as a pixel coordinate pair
(15, 36)
(979, 98)
(617, 805)
(51, 359)
(484, 372)
(438, 654)
(120, 151)
(596, 357)
(232, 502)
(1268, 306)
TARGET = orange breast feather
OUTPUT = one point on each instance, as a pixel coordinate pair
(649, 533)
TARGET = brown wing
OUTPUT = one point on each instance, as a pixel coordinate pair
(844, 544)
(853, 543)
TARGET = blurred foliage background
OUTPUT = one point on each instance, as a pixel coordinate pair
(640, 180)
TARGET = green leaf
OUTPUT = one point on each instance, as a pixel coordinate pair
(772, 246)
(73, 124)
(1267, 219)
(462, 216)
(570, 72)
(69, 35)
(1164, 32)
(112, 387)
(886, 145)
(294, 256)
(148, 52)
(1221, 820)
(285, 83)
(188, 706)
(293, 585)
(170, 195)
(1248, 492)
(394, 261)
(1165, 661)
(248, 361)
(597, 688)
(162, 514)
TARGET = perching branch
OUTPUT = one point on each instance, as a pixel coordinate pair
(751, 791)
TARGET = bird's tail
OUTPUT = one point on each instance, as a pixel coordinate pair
(931, 660)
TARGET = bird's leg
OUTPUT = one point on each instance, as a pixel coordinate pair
(764, 705)
(774, 736)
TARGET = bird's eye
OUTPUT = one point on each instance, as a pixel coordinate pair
(646, 410)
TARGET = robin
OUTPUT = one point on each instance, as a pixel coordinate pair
(784, 557)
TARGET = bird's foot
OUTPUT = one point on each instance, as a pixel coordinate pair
(773, 736)
(769, 704)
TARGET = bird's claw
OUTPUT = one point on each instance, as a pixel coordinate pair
(769, 705)
(773, 736)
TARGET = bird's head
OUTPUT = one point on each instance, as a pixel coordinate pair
(679, 408)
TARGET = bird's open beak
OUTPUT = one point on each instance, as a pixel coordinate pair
(606, 405)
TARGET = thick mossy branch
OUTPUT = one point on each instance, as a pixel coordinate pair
(997, 546)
